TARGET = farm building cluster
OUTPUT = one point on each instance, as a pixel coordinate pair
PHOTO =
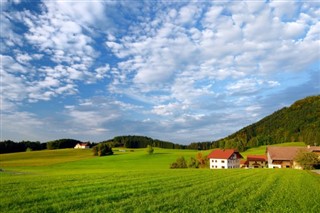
(275, 157)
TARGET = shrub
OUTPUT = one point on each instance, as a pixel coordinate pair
(102, 149)
(202, 160)
(193, 163)
(180, 163)
(307, 160)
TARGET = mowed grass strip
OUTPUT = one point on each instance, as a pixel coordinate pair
(189, 190)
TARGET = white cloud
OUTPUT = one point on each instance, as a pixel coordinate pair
(23, 58)
(97, 115)
(11, 66)
(12, 87)
(250, 85)
(187, 14)
(22, 125)
(85, 13)
(178, 67)
(255, 6)
(284, 9)
(169, 109)
(101, 71)
(294, 30)
(313, 33)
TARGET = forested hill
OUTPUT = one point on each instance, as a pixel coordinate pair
(299, 122)
(134, 141)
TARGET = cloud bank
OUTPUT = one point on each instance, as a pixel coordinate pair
(174, 71)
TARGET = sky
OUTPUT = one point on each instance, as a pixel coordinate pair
(178, 71)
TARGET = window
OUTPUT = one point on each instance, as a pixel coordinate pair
(215, 161)
(222, 167)
(216, 167)
(222, 161)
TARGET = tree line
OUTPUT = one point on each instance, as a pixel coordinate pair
(9, 146)
(129, 141)
(135, 141)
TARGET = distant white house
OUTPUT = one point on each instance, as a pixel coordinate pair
(82, 146)
(224, 159)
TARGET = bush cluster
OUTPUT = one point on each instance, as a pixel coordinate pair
(200, 161)
(102, 149)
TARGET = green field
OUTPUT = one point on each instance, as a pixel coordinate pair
(75, 181)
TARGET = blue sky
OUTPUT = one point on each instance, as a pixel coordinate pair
(178, 71)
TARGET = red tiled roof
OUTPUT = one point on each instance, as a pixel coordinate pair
(257, 158)
(224, 154)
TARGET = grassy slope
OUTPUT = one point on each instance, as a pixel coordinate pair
(66, 160)
(262, 149)
(137, 182)
(43, 158)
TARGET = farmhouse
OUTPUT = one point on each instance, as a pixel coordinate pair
(82, 146)
(283, 157)
(224, 159)
(255, 161)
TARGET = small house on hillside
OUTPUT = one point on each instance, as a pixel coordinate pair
(82, 146)
(282, 157)
(255, 161)
(224, 159)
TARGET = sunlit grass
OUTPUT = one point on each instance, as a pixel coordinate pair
(133, 181)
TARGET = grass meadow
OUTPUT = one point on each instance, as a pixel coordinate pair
(75, 181)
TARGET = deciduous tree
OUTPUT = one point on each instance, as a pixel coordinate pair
(150, 150)
(102, 149)
(307, 160)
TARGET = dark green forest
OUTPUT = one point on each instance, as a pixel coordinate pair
(298, 123)
(134, 141)
(9, 146)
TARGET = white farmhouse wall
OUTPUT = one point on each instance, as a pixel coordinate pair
(270, 164)
(232, 162)
(218, 163)
(78, 146)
